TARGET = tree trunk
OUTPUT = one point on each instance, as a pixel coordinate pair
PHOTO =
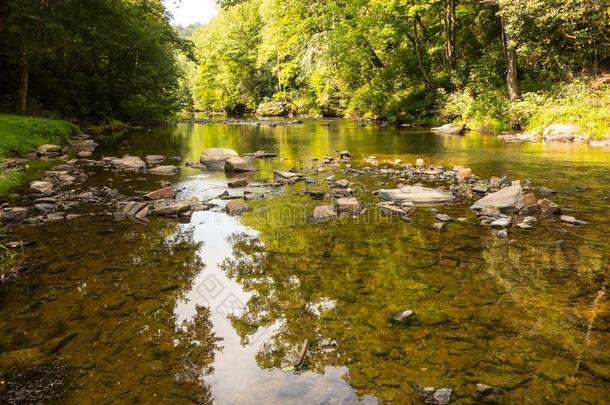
(450, 28)
(420, 56)
(3, 13)
(510, 55)
(24, 78)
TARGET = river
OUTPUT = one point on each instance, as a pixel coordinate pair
(267, 308)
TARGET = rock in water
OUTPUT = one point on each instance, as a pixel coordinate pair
(560, 133)
(483, 390)
(572, 221)
(449, 129)
(238, 165)
(444, 218)
(435, 396)
(234, 208)
(323, 213)
(172, 210)
(14, 214)
(272, 109)
(238, 182)
(154, 159)
(506, 200)
(403, 316)
(129, 163)
(41, 187)
(162, 194)
(417, 195)
(167, 170)
(214, 158)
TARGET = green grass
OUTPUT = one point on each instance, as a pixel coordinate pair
(24, 134)
(20, 135)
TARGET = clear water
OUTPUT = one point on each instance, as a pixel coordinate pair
(267, 308)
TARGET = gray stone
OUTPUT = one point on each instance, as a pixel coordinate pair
(167, 170)
(435, 396)
(238, 182)
(323, 213)
(484, 390)
(572, 221)
(501, 223)
(560, 133)
(84, 154)
(214, 158)
(403, 316)
(502, 234)
(439, 226)
(132, 208)
(170, 210)
(238, 165)
(417, 195)
(14, 214)
(284, 176)
(508, 199)
(41, 187)
(342, 183)
(45, 207)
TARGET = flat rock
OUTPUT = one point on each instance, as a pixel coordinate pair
(572, 221)
(162, 194)
(417, 195)
(443, 217)
(167, 170)
(261, 154)
(238, 182)
(129, 163)
(154, 159)
(502, 223)
(238, 165)
(214, 158)
(169, 210)
(41, 187)
(507, 199)
(560, 133)
(449, 129)
(48, 149)
(349, 205)
(281, 175)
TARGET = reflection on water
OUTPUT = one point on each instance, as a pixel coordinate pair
(270, 309)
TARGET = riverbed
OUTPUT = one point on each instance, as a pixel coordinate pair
(270, 308)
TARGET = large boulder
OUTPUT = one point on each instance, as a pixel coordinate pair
(560, 133)
(238, 165)
(129, 163)
(449, 129)
(417, 195)
(507, 200)
(214, 158)
(273, 109)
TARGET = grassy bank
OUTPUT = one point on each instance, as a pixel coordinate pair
(20, 135)
(24, 134)
(581, 103)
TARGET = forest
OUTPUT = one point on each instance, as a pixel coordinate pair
(494, 64)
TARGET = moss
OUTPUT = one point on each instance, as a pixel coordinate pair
(24, 134)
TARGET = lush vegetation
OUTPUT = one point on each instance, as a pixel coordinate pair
(25, 134)
(407, 60)
(90, 59)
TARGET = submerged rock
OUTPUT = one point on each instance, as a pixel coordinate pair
(214, 158)
(417, 195)
(14, 214)
(323, 213)
(508, 199)
(403, 316)
(261, 154)
(434, 396)
(349, 205)
(238, 182)
(484, 390)
(443, 217)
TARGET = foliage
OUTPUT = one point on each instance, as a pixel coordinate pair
(92, 59)
(393, 59)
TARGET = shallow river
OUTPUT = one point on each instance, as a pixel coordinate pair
(267, 308)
